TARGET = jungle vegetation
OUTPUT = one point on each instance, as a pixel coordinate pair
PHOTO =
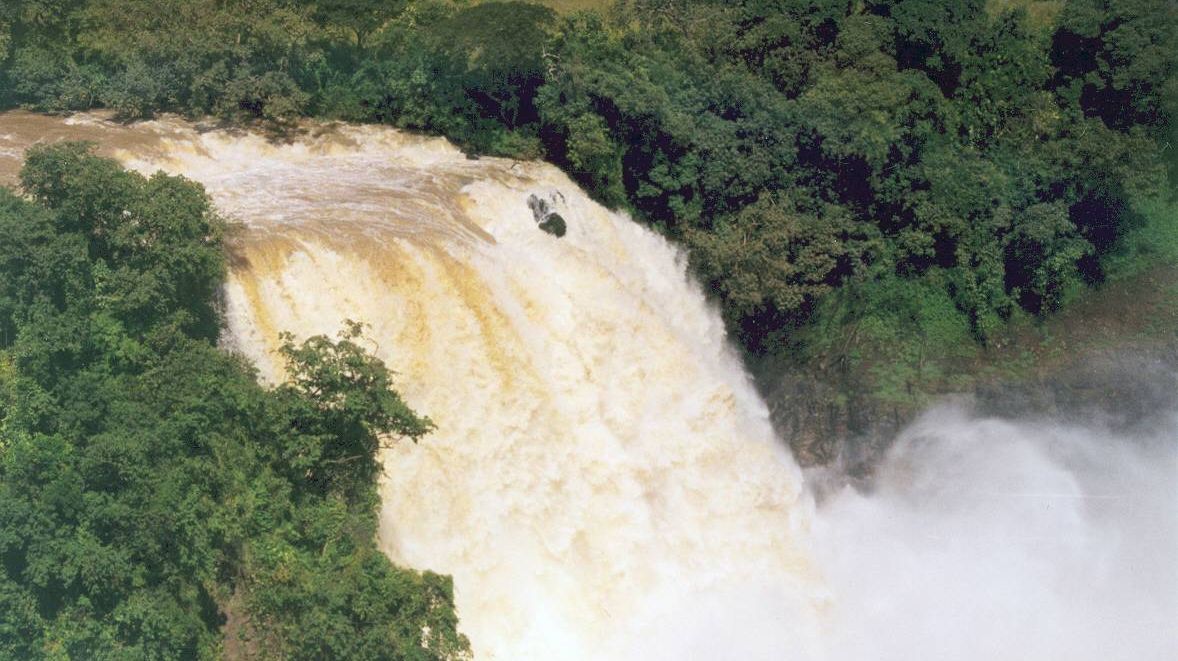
(882, 182)
(814, 156)
(156, 502)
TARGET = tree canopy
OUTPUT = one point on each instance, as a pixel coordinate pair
(882, 183)
(151, 491)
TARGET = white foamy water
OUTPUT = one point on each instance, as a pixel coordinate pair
(604, 482)
(600, 456)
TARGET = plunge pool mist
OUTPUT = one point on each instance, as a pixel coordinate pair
(604, 482)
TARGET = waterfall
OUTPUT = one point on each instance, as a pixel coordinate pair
(600, 456)
(604, 482)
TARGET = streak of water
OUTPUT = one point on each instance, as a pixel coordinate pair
(604, 482)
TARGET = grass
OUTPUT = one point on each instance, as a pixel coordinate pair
(570, 6)
(1155, 242)
(1041, 13)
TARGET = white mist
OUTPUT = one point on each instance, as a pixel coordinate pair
(604, 482)
(987, 539)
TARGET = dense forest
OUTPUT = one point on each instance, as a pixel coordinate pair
(150, 488)
(987, 156)
(940, 168)
(896, 182)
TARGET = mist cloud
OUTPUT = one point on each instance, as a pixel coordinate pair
(990, 539)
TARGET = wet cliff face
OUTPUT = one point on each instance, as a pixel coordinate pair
(831, 422)
(605, 481)
(1110, 361)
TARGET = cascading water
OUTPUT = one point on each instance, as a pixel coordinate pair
(604, 482)
(600, 457)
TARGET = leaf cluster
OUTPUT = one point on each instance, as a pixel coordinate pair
(799, 149)
(156, 502)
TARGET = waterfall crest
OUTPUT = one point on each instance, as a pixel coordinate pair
(604, 482)
(600, 457)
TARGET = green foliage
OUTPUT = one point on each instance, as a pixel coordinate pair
(155, 242)
(340, 399)
(236, 60)
(360, 17)
(344, 602)
(469, 72)
(906, 338)
(1117, 59)
(147, 481)
(497, 49)
(1153, 244)
(772, 259)
(50, 80)
(997, 151)
(1042, 252)
(594, 157)
(921, 135)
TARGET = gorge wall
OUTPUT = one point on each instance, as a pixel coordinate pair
(605, 480)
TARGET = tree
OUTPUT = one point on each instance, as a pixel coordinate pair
(155, 242)
(341, 403)
(773, 260)
(498, 48)
(1116, 59)
(361, 17)
(1042, 251)
(149, 485)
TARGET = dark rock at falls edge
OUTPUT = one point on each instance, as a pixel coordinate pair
(554, 225)
(546, 218)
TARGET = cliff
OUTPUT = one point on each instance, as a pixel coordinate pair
(1109, 359)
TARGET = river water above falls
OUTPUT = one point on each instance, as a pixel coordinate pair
(604, 481)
